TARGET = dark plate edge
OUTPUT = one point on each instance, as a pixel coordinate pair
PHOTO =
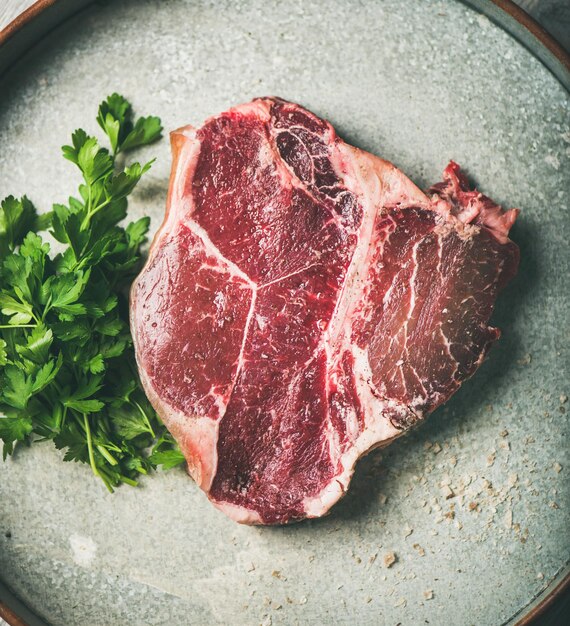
(545, 38)
(20, 35)
(14, 612)
(528, 32)
(543, 601)
(32, 25)
(9, 616)
(21, 20)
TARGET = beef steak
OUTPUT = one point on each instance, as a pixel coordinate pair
(304, 302)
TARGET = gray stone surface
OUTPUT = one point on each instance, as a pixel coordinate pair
(418, 83)
(554, 15)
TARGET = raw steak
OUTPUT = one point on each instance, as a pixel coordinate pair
(305, 302)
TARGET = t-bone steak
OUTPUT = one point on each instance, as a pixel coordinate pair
(304, 302)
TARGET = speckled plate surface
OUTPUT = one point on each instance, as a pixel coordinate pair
(417, 82)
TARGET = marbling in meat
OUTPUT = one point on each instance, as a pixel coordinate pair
(304, 302)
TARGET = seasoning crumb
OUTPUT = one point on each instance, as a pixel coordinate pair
(504, 445)
(428, 594)
(373, 558)
(453, 461)
(251, 567)
(491, 458)
(504, 433)
(383, 498)
(526, 360)
(427, 445)
(553, 505)
(540, 576)
(447, 492)
(401, 602)
(436, 448)
(368, 600)
(389, 559)
(277, 574)
(557, 467)
(473, 506)
(419, 549)
(563, 398)
(408, 530)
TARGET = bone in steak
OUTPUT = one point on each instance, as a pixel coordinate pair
(304, 302)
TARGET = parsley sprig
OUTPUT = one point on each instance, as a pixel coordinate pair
(67, 368)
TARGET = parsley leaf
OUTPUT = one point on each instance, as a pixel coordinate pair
(3, 353)
(17, 387)
(67, 367)
(37, 345)
(146, 129)
(13, 429)
(17, 217)
(167, 458)
(166, 453)
(116, 118)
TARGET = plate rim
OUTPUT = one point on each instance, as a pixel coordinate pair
(499, 11)
(560, 585)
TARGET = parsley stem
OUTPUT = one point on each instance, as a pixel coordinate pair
(91, 213)
(17, 325)
(64, 414)
(99, 207)
(90, 445)
(128, 481)
(46, 308)
(107, 455)
(107, 479)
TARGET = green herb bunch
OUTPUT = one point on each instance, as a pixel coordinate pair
(67, 367)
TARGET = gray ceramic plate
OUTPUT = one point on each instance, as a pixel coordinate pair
(418, 82)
